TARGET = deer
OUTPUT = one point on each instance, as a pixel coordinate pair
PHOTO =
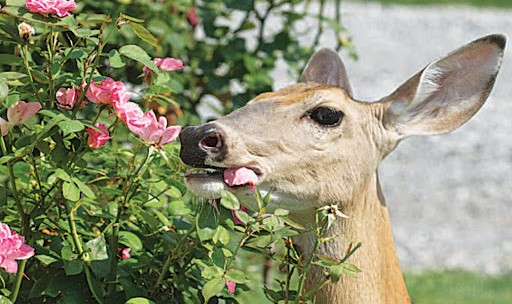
(311, 144)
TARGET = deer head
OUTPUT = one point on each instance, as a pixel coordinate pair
(313, 145)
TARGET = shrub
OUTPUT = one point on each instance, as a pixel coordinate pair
(90, 175)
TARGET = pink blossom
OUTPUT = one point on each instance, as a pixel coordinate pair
(17, 114)
(108, 92)
(97, 138)
(12, 248)
(67, 98)
(240, 176)
(231, 286)
(154, 131)
(165, 64)
(60, 8)
(125, 253)
(236, 220)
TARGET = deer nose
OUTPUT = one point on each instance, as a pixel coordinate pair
(201, 142)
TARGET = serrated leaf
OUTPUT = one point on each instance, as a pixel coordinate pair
(70, 191)
(236, 276)
(243, 216)
(139, 300)
(84, 188)
(46, 259)
(143, 33)
(221, 235)
(138, 54)
(97, 248)
(115, 59)
(229, 200)
(63, 175)
(71, 126)
(213, 287)
(206, 223)
(281, 212)
(131, 240)
(212, 272)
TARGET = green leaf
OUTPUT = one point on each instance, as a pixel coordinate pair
(63, 175)
(243, 216)
(229, 200)
(97, 248)
(213, 287)
(143, 33)
(12, 75)
(139, 300)
(84, 188)
(131, 240)
(212, 272)
(177, 208)
(5, 300)
(130, 18)
(236, 276)
(221, 235)
(4, 89)
(206, 223)
(115, 59)
(73, 267)
(138, 54)
(281, 212)
(70, 191)
(71, 126)
(46, 259)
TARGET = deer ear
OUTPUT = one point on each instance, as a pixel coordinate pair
(326, 67)
(447, 92)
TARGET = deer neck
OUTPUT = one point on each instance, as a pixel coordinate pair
(381, 280)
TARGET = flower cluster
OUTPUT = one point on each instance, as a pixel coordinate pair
(60, 8)
(12, 248)
(152, 130)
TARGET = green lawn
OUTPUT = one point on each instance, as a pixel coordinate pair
(454, 287)
(483, 3)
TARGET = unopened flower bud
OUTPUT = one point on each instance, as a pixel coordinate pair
(26, 31)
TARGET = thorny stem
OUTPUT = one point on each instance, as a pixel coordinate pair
(29, 73)
(17, 283)
(83, 255)
(114, 243)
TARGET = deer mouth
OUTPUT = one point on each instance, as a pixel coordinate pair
(209, 182)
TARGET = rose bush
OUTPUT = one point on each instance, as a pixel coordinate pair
(90, 176)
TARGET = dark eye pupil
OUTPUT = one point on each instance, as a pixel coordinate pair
(326, 116)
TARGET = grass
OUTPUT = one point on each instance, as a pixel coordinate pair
(480, 3)
(454, 287)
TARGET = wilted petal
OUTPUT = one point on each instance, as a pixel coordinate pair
(4, 126)
(22, 111)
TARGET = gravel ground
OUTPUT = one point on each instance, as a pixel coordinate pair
(449, 196)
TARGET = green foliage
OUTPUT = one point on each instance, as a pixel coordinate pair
(80, 207)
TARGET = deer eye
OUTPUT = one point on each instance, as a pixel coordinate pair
(326, 116)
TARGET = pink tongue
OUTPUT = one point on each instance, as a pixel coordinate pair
(240, 176)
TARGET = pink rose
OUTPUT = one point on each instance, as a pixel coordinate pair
(231, 286)
(240, 176)
(12, 248)
(152, 130)
(155, 132)
(165, 64)
(60, 8)
(66, 99)
(125, 253)
(108, 92)
(17, 114)
(97, 138)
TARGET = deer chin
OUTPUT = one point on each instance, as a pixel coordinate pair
(209, 184)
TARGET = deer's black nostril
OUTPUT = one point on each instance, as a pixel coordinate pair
(211, 142)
